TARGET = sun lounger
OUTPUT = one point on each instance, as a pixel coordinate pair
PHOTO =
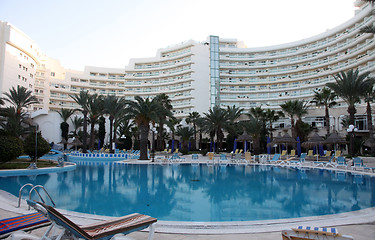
(309, 233)
(298, 162)
(275, 159)
(340, 162)
(328, 163)
(358, 163)
(101, 231)
(24, 222)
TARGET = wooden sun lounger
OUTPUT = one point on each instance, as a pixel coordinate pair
(101, 231)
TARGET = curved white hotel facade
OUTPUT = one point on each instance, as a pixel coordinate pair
(199, 75)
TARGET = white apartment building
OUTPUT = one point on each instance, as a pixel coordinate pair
(19, 58)
(199, 75)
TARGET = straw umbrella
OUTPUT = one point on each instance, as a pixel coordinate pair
(285, 139)
(335, 139)
(76, 142)
(244, 138)
(314, 141)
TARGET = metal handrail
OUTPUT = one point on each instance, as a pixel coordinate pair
(45, 191)
(20, 192)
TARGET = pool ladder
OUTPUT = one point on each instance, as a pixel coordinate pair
(34, 188)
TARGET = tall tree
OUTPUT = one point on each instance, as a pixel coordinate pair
(65, 114)
(95, 107)
(165, 111)
(83, 99)
(216, 120)
(77, 123)
(113, 106)
(325, 98)
(20, 98)
(349, 86)
(272, 116)
(193, 118)
(185, 133)
(294, 108)
(369, 97)
(143, 111)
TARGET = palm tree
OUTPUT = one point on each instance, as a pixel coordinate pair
(12, 124)
(65, 114)
(143, 111)
(20, 98)
(185, 133)
(83, 100)
(215, 121)
(173, 124)
(294, 108)
(272, 116)
(234, 113)
(369, 97)
(349, 86)
(95, 107)
(325, 98)
(77, 123)
(193, 118)
(253, 127)
(113, 106)
(166, 111)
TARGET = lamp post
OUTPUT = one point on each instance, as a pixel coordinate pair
(352, 130)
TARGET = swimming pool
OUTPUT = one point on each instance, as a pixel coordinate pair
(203, 193)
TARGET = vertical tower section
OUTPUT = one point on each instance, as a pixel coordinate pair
(214, 72)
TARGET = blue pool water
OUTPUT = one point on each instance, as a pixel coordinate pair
(203, 193)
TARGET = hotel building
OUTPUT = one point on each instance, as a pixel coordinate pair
(199, 75)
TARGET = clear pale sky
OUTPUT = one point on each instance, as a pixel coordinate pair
(107, 33)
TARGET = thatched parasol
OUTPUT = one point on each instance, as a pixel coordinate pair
(315, 140)
(286, 139)
(244, 137)
(335, 139)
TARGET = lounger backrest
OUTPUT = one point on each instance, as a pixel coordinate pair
(357, 161)
(61, 220)
(341, 160)
(292, 152)
(302, 158)
(338, 153)
(247, 156)
(310, 153)
(283, 153)
(276, 157)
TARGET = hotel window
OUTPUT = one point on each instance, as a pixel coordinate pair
(53, 74)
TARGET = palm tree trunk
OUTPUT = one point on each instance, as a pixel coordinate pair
(92, 135)
(84, 140)
(143, 141)
(370, 128)
(110, 132)
(327, 120)
(159, 141)
(293, 127)
(195, 136)
(352, 111)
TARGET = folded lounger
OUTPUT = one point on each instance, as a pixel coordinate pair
(308, 233)
(24, 222)
(101, 231)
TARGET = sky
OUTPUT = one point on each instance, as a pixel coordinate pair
(107, 33)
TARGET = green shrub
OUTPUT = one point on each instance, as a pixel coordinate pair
(184, 151)
(29, 145)
(10, 148)
(204, 152)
